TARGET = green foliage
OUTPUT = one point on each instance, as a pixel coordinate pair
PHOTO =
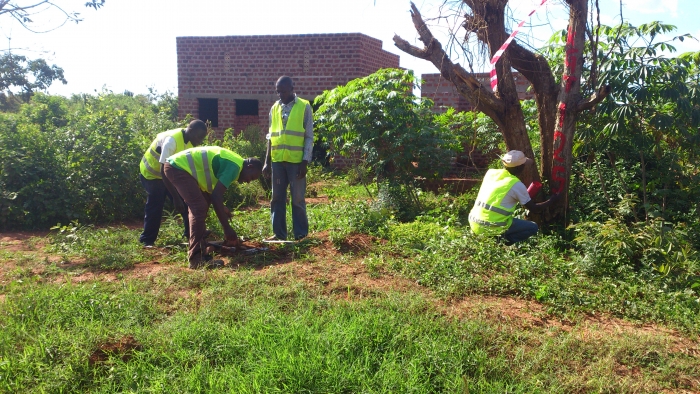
(379, 121)
(658, 249)
(643, 141)
(475, 131)
(67, 159)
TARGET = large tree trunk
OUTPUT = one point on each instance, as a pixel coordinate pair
(569, 98)
(557, 106)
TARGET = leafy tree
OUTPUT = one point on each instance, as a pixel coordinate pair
(20, 77)
(650, 125)
(379, 121)
(558, 104)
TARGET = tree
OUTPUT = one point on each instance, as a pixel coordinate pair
(20, 78)
(24, 12)
(558, 105)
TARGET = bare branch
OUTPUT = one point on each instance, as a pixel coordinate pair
(479, 95)
(593, 99)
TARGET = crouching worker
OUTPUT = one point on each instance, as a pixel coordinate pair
(500, 192)
(163, 146)
(201, 176)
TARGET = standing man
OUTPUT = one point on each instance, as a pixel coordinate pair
(289, 146)
(201, 176)
(499, 194)
(157, 188)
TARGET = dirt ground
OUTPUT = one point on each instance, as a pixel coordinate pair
(341, 272)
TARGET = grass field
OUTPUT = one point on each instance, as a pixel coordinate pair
(365, 304)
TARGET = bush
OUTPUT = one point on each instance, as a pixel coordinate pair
(75, 159)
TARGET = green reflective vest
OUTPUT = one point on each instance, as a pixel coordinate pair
(199, 162)
(150, 164)
(488, 215)
(287, 143)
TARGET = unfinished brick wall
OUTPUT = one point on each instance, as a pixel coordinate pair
(246, 68)
(445, 95)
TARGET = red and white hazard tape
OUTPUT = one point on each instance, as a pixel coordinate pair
(499, 52)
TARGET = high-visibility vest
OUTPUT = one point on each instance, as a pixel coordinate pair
(199, 162)
(488, 215)
(287, 143)
(150, 164)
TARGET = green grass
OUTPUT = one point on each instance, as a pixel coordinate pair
(244, 333)
(282, 330)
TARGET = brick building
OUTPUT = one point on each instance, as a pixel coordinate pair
(230, 80)
(444, 93)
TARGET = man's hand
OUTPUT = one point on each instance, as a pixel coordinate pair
(231, 238)
(556, 197)
(228, 212)
(302, 170)
(266, 170)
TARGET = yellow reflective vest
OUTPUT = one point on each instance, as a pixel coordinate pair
(199, 162)
(488, 215)
(150, 164)
(287, 143)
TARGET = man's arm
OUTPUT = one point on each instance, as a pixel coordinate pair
(308, 140)
(217, 200)
(537, 207)
(268, 160)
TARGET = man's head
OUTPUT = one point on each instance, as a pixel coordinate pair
(285, 89)
(515, 161)
(196, 132)
(252, 169)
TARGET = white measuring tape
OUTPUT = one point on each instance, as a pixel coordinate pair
(499, 52)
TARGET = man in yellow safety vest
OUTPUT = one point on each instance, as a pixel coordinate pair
(157, 188)
(201, 176)
(289, 148)
(500, 193)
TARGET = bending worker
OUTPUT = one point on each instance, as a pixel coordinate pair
(163, 146)
(499, 194)
(201, 176)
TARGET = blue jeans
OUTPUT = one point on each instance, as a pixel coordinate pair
(155, 200)
(285, 174)
(520, 230)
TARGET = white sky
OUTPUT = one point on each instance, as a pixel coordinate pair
(130, 44)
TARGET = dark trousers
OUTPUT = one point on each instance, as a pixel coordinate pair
(156, 193)
(197, 206)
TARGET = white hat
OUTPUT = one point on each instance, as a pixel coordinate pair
(515, 158)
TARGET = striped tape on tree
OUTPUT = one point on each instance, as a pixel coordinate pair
(499, 52)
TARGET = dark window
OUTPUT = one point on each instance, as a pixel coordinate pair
(209, 111)
(247, 107)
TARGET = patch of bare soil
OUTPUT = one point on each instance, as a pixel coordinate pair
(23, 241)
(342, 277)
(122, 348)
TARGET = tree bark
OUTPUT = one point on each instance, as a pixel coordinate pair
(568, 101)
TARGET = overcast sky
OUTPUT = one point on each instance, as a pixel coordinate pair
(130, 44)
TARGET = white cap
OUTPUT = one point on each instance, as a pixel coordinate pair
(515, 158)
